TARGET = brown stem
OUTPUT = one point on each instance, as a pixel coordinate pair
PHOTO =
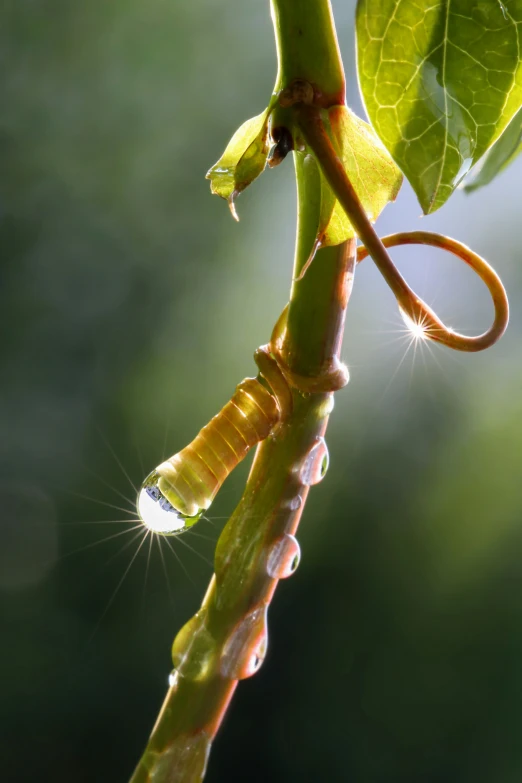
(311, 124)
(479, 265)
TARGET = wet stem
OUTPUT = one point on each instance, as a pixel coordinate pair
(226, 640)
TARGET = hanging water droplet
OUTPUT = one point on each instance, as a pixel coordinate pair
(245, 648)
(283, 557)
(158, 507)
(315, 463)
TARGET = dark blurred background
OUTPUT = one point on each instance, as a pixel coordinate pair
(131, 304)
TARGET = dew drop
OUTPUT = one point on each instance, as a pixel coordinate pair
(283, 557)
(245, 649)
(327, 406)
(157, 510)
(173, 678)
(295, 503)
(194, 648)
(315, 463)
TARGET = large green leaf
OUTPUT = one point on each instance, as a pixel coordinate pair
(372, 172)
(501, 154)
(441, 79)
(243, 160)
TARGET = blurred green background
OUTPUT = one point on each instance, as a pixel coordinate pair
(131, 304)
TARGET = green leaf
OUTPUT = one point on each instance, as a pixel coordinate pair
(372, 172)
(501, 154)
(441, 80)
(243, 160)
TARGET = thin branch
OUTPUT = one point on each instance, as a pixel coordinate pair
(311, 124)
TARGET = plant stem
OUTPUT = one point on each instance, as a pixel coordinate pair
(315, 321)
(310, 122)
(307, 48)
(226, 640)
(216, 647)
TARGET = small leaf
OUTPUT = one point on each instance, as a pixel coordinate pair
(501, 154)
(441, 80)
(372, 172)
(243, 160)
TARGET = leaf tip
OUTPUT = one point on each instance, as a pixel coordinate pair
(231, 200)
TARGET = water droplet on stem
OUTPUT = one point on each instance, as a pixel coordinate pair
(315, 463)
(295, 503)
(245, 648)
(194, 648)
(283, 557)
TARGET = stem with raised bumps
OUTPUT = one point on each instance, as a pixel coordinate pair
(226, 640)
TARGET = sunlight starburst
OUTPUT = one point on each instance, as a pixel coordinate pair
(418, 330)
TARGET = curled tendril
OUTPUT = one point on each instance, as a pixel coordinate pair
(311, 124)
(420, 313)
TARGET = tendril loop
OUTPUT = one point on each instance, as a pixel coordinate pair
(421, 314)
(310, 121)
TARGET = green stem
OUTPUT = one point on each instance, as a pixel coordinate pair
(311, 124)
(315, 321)
(217, 647)
(226, 640)
(307, 48)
